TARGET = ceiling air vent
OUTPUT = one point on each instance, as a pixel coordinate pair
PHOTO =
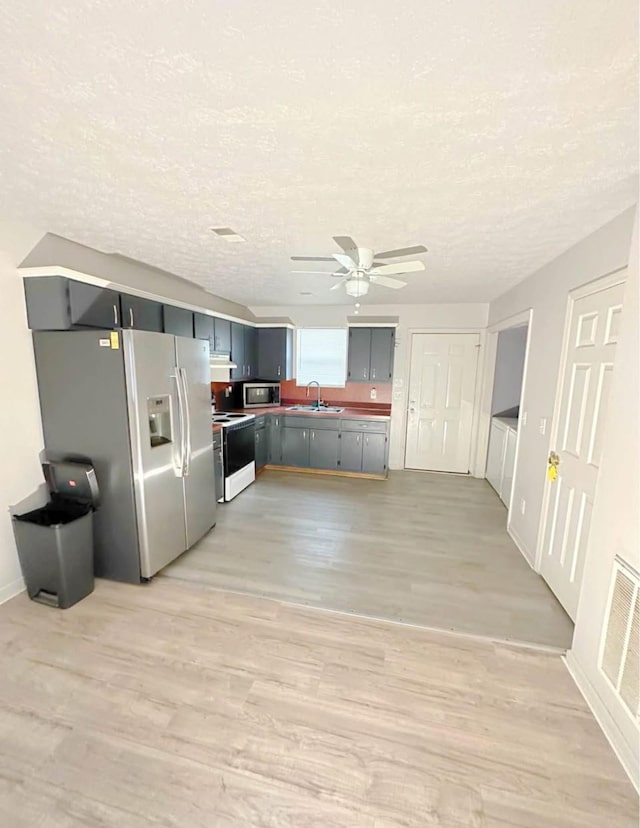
(227, 234)
(620, 656)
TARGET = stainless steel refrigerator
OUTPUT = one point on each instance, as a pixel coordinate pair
(137, 404)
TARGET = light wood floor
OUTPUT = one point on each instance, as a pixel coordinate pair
(420, 548)
(181, 706)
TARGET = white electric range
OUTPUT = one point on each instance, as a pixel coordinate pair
(238, 450)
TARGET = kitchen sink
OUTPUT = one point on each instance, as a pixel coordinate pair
(327, 409)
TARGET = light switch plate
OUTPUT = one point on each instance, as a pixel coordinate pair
(373, 394)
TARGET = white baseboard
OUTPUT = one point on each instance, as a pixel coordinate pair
(520, 544)
(12, 589)
(625, 753)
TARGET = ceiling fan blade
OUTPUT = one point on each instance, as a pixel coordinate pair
(311, 258)
(403, 251)
(346, 243)
(318, 272)
(338, 284)
(345, 261)
(401, 267)
(385, 281)
(341, 271)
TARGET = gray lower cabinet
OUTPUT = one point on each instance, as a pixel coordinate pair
(274, 429)
(141, 314)
(374, 453)
(295, 447)
(323, 449)
(351, 451)
(178, 321)
(262, 448)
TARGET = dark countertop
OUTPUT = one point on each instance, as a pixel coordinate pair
(348, 413)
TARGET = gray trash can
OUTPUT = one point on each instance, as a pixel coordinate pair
(55, 541)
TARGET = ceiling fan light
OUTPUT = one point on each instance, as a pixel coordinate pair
(357, 287)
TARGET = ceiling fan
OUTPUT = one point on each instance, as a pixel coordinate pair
(360, 267)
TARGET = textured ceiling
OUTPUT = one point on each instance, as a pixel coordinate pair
(496, 133)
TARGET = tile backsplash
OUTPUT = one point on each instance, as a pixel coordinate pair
(357, 393)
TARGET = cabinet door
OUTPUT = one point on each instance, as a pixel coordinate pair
(222, 331)
(237, 351)
(94, 307)
(203, 328)
(141, 314)
(351, 451)
(275, 354)
(323, 449)
(250, 352)
(275, 440)
(374, 459)
(295, 447)
(178, 321)
(359, 354)
(382, 340)
(495, 457)
(261, 448)
(508, 466)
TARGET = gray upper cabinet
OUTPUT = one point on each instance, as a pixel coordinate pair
(237, 351)
(371, 354)
(295, 447)
(359, 354)
(275, 354)
(93, 307)
(141, 314)
(250, 352)
(323, 449)
(222, 335)
(382, 344)
(178, 321)
(351, 451)
(374, 453)
(203, 328)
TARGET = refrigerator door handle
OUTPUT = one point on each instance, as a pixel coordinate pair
(182, 417)
(187, 419)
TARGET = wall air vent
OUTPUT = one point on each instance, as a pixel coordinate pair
(620, 649)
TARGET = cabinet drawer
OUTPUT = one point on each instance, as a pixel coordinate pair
(261, 421)
(375, 426)
(312, 421)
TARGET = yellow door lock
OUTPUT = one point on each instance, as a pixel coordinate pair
(552, 468)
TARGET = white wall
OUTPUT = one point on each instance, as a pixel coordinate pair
(20, 472)
(615, 526)
(55, 250)
(545, 292)
(411, 317)
(507, 382)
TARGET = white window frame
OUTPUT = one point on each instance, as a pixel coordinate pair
(345, 330)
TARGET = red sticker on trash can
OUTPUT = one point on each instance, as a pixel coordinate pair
(72, 482)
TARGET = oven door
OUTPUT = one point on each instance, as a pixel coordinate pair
(239, 447)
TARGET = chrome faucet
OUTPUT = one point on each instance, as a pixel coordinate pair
(314, 382)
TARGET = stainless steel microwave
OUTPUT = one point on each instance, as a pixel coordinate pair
(260, 394)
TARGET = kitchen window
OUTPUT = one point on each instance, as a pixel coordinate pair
(322, 356)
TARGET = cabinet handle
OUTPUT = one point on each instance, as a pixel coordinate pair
(358, 440)
(131, 317)
(364, 373)
(367, 440)
(278, 370)
(373, 373)
(313, 435)
(115, 315)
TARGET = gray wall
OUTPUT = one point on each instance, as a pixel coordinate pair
(55, 250)
(507, 383)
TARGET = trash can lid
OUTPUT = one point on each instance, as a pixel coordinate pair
(72, 481)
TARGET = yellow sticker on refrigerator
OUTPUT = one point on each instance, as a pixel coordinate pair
(115, 340)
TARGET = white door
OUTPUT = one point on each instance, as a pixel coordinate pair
(441, 395)
(591, 336)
